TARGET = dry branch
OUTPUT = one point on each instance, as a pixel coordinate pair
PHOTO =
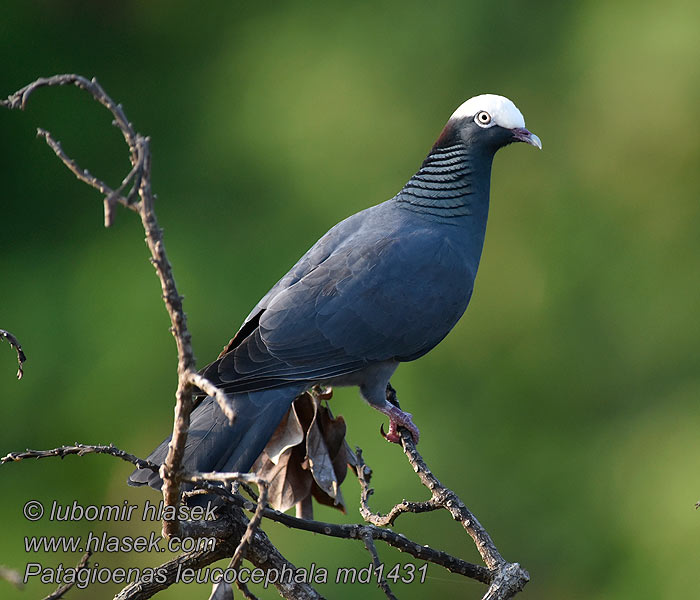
(263, 486)
(508, 578)
(62, 589)
(357, 532)
(211, 390)
(376, 563)
(140, 177)
(80, 450)
(261, 553)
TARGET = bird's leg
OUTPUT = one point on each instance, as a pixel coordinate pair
(397, 418)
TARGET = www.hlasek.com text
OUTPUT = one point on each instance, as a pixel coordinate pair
(103, 542)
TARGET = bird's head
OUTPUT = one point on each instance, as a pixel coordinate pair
(489, 122)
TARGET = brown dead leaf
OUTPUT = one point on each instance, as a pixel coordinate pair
(319, 460)
(288, 434)
(289, 482)
(307, 455)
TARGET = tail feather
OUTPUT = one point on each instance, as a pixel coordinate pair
(213, 444)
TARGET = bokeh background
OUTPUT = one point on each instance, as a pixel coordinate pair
(563, 408)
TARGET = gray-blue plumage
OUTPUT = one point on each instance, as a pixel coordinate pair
(382, 287)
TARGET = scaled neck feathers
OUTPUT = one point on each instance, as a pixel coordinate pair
(450, 183)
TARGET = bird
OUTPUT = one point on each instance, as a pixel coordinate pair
(382, 287)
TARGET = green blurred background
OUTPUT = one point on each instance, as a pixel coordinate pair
(564, 406)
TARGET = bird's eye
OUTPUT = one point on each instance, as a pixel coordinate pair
(482, 118)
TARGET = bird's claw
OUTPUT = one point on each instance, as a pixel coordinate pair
(392, 435)
(398, 418)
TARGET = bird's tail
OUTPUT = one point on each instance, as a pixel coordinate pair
(213, 444)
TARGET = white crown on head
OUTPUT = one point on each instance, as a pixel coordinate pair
(503, 112)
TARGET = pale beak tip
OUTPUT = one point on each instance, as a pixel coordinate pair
(535, 141)
(521, 134)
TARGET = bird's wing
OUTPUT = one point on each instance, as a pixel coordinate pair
(385, 295)
(316, 255)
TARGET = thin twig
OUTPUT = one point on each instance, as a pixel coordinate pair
(263, 486)
(183, 340)
(261, 553)
(61, 590)
(249, 490)
(381, 580)
(19, 99)
(14, 342)
(363, 476)
(211, 390)
(389, 537)
(80, 450)
(140, 174)
(356, 531)
(509, 578)
(86, 177)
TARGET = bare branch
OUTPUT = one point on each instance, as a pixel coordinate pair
(372, 549)
(84, 175)
(140, 174)
(80, 450)
(219, 530)
(356, 531)
(261, 552)
(509, 578)
(186, 362)
(19, 99)
(61, 590)
(363, 475)
(14, 342)
(210, 389)
(506, 579)
(263, 486)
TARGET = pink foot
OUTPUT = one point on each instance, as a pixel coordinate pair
(398, 418)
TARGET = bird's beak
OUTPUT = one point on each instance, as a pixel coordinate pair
(520, 134)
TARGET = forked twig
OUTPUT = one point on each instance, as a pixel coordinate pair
(506, 579)
(263, 486)
(140, 177)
